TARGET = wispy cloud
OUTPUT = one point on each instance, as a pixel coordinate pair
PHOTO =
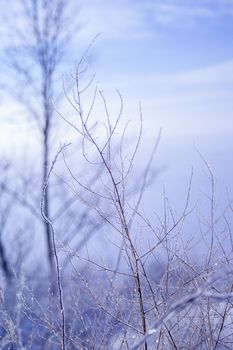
(112, 19)
(135, 18)
(182, 12)
(179, 14)
(213, 75)
(217, 74)
(195, 102)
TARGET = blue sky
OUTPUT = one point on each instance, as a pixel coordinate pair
(175, 56)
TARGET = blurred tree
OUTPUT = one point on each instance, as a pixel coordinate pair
(38, 44)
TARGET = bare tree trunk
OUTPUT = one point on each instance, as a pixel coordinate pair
(47, 94)
(46, 199)
(36, 63)
(4, 262)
